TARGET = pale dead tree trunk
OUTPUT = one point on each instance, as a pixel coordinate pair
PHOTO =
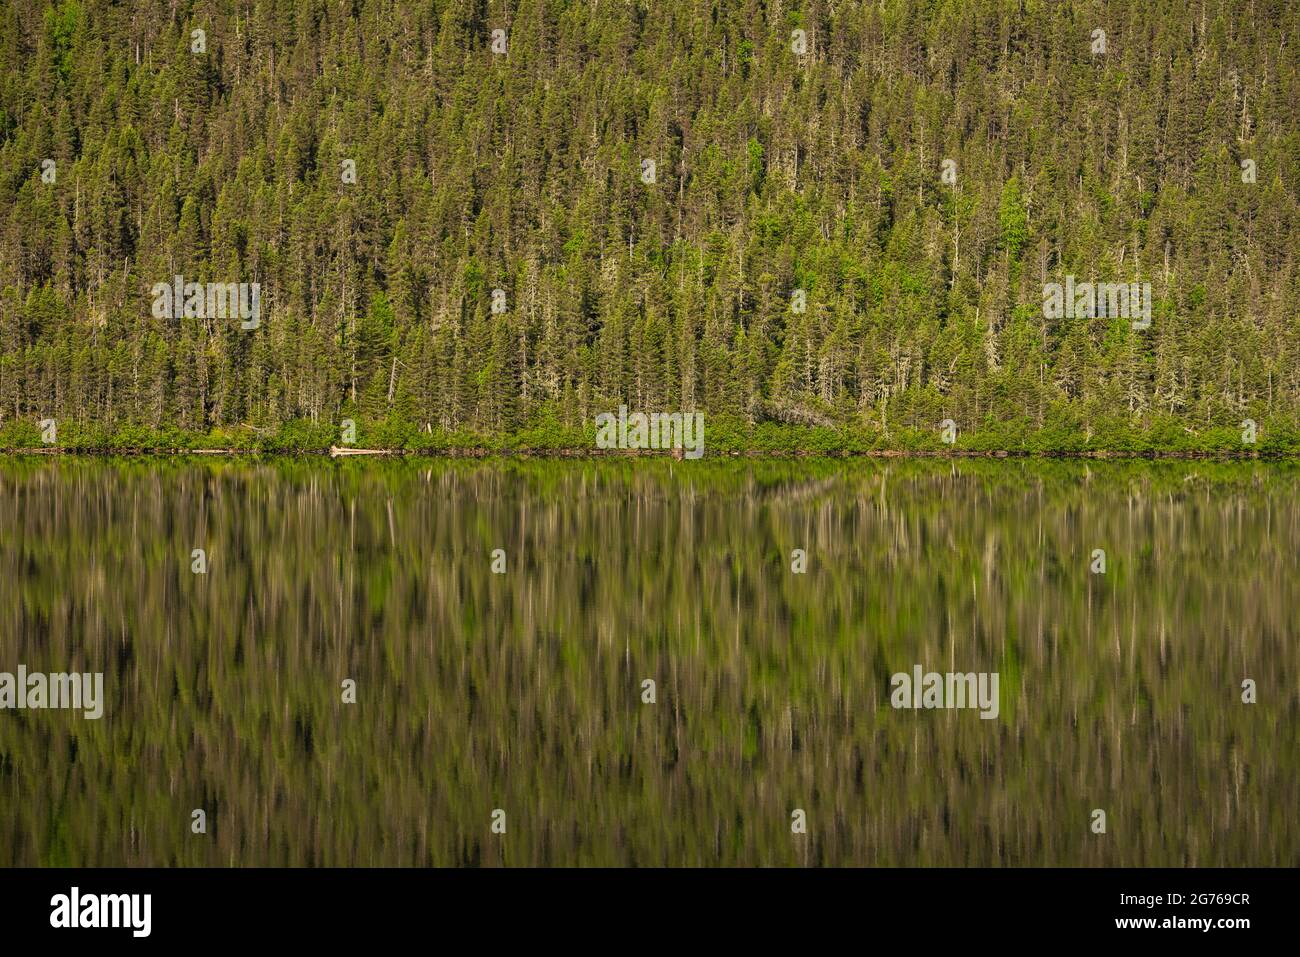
(920, 183)
(956, 249)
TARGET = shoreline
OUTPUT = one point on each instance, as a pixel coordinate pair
(489, 453)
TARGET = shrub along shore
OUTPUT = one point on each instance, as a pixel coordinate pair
(722, 437)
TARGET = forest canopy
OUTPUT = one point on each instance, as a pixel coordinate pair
(842, 239)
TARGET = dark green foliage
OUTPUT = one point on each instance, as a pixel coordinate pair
(774, 172)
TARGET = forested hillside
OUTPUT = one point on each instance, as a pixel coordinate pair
(774, 171)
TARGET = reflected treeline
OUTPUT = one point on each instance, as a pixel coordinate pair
(523, 691)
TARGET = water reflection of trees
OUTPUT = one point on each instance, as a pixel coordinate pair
(522, 691)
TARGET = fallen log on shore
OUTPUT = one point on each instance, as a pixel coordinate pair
(335, 451)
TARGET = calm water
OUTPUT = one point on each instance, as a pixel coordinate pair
(523, 691)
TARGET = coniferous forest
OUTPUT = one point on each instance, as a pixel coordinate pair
(826, 225)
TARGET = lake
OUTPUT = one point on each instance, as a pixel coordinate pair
(496, 623)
